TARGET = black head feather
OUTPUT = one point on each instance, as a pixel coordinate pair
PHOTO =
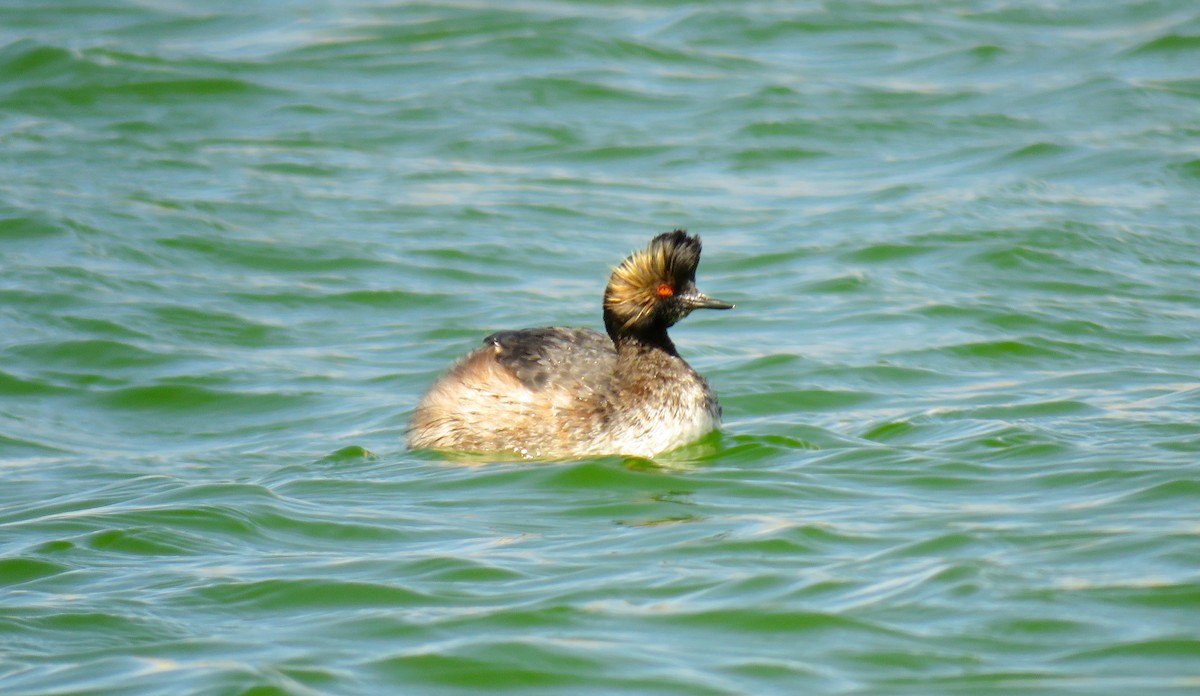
(654, 287)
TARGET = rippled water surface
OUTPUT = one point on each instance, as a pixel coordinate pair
(961, 393)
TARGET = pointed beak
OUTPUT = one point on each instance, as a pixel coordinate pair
(698, 300)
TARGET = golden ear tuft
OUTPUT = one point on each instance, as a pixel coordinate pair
(651, 275)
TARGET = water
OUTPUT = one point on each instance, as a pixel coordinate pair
(961, 401)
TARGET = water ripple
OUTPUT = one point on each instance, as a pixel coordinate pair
(959, 388)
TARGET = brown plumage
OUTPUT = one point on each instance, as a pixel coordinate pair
(557, 392)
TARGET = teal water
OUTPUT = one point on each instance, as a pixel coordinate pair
(961, 390)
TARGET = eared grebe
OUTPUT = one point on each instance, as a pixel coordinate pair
(562, 392)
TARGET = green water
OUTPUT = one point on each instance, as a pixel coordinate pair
(961, 390)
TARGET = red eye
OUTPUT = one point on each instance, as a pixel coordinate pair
(665, 290)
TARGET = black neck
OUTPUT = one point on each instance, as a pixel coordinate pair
(653, 337)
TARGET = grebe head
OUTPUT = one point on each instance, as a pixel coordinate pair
(656, 287)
